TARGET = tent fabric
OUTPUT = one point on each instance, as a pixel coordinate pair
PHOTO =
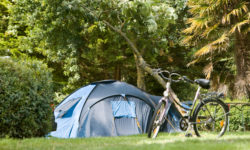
(107, 108)
(123, 108)
(67, 126)
(122, 125)
(99, 120)
(67, 108)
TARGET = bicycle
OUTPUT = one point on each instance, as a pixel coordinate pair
(210, 115)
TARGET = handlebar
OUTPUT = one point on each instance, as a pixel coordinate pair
(188, 80)
(170, 75)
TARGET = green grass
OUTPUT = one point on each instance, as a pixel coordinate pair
(230, 141)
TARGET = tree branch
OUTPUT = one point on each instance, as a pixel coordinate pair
(142, 62)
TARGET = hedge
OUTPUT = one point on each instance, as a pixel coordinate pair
(26, 93)
(239, 120)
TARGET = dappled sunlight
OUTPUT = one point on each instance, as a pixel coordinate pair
(165, 138)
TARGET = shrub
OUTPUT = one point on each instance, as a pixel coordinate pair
(25, 96)
(238, 120)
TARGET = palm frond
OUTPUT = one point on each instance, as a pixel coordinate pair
(197, 24)
(247, 16)
(221, 43)
(210, 29)
(202, 8)
(187, 40)
(222, 39)
(244, 7)
(208, 69)
(189, 30)
(205, 9)
(203, 51)
(194, 9)
(238, 26)
(237, 12)
(226, 19)
(193, 62)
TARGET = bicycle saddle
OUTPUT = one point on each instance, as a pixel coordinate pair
(203, 83)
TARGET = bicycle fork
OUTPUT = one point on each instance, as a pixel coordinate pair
(161, 119)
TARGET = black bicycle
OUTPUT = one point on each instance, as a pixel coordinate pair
(208, 116)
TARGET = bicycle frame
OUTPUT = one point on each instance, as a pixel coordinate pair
(167, 97)
(194, 102)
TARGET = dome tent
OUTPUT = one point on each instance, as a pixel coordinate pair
(106, 108)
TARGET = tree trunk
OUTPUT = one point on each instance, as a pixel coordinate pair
(242, 59)
(223, 88)
(117, 73)
(140, 75)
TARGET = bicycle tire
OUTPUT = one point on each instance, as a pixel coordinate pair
(212, 124)
(153, 126)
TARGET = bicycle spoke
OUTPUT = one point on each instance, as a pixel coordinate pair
(157, 120)
(211, 118)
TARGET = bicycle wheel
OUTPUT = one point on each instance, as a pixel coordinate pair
(157, 120)
(211, 117)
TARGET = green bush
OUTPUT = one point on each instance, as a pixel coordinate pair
(25, 96)
(238, 120)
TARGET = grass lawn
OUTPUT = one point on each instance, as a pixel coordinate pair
(230, 141)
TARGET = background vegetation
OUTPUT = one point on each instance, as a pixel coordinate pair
(25, 97)
(76, 40)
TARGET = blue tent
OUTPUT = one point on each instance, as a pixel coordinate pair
(108, 108)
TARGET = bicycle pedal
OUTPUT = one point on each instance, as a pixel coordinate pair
(188, 135)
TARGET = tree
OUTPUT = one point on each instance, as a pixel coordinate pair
(85, 41)
(77, 35)
(217, 26)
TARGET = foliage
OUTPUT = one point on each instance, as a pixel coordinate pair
(11, 36)
(72, 38)
(239, 120)
(75, 41)
(214, 21)
(214, 30)
(4, 14)
(26, 93)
